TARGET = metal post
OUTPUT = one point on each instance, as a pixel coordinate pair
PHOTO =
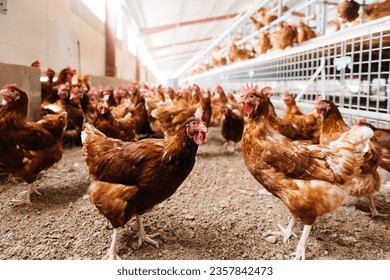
(280, 7)
(324, 17)
(307, 12)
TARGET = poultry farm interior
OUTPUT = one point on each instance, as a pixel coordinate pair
(317, 54)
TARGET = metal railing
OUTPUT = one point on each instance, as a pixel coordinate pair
(354, 74)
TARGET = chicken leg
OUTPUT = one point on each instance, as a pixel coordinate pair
(300, 252)
(225, 147)
(112, 253)
(142, 236)
(24, 196)
(374, 212)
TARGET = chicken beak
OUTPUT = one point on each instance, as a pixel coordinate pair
(202, 127)
(72, 96)
(241, 99)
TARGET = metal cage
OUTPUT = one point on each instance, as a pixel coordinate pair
(349, 67)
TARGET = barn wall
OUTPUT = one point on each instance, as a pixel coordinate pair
(59, 34)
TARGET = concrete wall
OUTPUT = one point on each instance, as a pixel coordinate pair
(98, 81)
(59, 34)
(27, 79)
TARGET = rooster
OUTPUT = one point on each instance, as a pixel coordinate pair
(310, 180)
(132, 177)
(27, 148)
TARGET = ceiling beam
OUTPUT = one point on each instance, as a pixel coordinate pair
(179, 44)
(152, 30)
(175, 54)
(175, 58)
(177, 61)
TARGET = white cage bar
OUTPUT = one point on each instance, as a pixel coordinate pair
(355, 75)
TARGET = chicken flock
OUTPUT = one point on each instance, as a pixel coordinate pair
(140, 144)
(288, 33)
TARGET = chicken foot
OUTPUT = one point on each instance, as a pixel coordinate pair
(24, 196)
(225, 147)
(285, 232)
(300, 252)
(142, 236)
(10, 179)
(112, 253)
(374, 211)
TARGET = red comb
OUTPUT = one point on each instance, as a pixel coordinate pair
(106, 97)
(74, 90)
(249, 88)
(267, 91)
(8, 86)
(361, 121)
(199, 113)
(317, 100)
(285, 93)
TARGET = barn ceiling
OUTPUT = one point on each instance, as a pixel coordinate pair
(174, 31)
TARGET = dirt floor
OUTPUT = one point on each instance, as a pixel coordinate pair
(219, 212)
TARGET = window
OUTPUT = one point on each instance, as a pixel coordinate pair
(119, 23)
(132, 40)
(97, 7)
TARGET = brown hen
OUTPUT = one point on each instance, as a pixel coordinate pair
(311, 180)
(132, 177)
(27, 148)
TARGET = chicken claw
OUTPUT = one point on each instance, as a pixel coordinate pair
(285, 232)
(374, 211)
(299, 254)
(11, 179)
(147, 238)
(142, 236)
(24, 196)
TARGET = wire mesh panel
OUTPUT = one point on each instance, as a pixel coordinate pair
(354, 74)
